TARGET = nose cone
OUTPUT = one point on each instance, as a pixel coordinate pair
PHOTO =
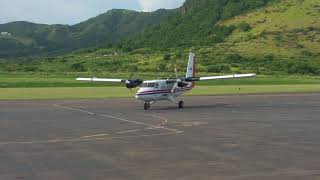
(138, 96)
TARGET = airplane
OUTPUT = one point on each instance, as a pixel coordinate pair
(169, 89)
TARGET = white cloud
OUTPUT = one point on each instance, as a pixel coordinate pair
(152, 5)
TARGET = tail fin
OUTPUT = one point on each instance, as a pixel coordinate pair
(191, 70)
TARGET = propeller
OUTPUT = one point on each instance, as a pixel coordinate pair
(178, 82)
(131, 91)
(176, 72)
(132, 83)
(131, 75)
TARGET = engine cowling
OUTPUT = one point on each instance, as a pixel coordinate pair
(130, 84)
(182, 84)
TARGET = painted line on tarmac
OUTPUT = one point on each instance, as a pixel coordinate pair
(99, 137)
(93, 136)
(55, 141)
(165, 120)
(137, 130)
(140, 123)
(74, 109)
(117, 118)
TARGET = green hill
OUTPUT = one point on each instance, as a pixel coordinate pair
(288, 28)
(32, 39)
(286, 35)
(195, 23)
(228, 36)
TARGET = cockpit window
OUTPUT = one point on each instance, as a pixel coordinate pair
(149, 85)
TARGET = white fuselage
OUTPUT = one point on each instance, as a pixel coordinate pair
(157, 90)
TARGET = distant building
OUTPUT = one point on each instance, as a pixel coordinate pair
(5, 34)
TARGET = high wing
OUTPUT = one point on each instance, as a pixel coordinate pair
(101, 80)
(130, 83)
(235, 76)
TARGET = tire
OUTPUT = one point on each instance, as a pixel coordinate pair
(146, 105)
(181, 104)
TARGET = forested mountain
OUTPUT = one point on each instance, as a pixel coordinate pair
(27, 38)
(195, 23)
(192, 24)
(228, 36)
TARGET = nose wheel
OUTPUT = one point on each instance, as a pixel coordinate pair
(181, 104)
(147, 105)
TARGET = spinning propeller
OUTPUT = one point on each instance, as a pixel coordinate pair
(132, 83)
(178, 82)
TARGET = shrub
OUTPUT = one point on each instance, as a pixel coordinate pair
(244, 27)
(167, 56)
(219, 68)
(78, 67)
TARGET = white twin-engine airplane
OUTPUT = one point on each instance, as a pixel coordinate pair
(168, 89)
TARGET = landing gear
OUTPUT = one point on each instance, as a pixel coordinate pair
(147, 105)
(181, 103)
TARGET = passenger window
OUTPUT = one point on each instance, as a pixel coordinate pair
(157, 85)
(170, 86)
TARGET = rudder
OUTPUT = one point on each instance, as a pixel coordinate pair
(191, 69)
(191, 65)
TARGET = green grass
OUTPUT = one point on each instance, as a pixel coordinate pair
(22, 86)
(29, 80)
(121, 92)
(255, 89)
(24, 80)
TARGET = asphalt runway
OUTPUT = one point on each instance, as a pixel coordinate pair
(219, 137)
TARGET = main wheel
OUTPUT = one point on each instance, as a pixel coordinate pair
(147, 105)
(181, 103)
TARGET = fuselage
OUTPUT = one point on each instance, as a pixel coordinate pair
(157, 90)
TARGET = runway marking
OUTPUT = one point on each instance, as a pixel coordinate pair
(137, 130)
(97, 135)
(165, 120)
(73, 109)
(84, 140)
(120, 119)
(140, 123)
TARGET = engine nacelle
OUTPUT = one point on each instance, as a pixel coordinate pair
(130, 84)
(183, 84)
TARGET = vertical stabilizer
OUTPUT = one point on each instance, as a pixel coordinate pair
(191, 70)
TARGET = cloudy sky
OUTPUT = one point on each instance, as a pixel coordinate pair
(72, 11)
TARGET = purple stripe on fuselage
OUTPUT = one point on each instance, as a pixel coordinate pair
(162, 91)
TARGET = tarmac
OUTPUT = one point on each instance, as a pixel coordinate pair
(214, 137)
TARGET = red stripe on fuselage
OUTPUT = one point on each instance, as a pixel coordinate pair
(163, 91)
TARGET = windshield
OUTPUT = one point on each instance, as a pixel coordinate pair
(149, 85)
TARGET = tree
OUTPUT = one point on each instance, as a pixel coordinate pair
(167, 56)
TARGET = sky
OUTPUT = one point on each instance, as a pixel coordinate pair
(72, 11)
